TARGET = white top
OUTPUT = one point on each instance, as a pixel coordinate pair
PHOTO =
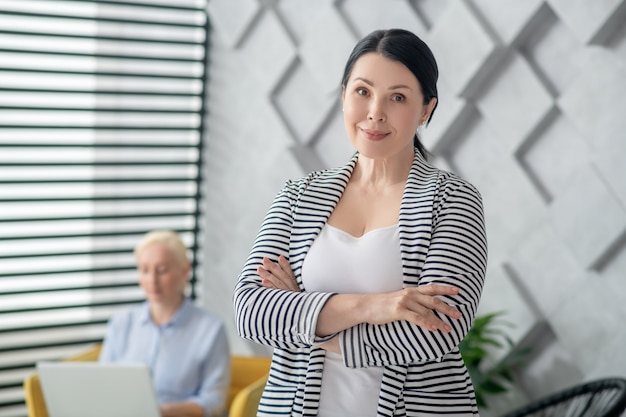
(341, 263)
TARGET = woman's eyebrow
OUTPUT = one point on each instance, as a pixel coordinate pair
(366, 81)
(393, 87)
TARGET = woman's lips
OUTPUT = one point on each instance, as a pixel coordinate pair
(374, 134)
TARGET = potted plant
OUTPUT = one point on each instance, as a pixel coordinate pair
(488, 333)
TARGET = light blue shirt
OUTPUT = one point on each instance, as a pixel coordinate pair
(189, 357)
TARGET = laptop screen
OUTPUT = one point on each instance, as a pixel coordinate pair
(79, 389)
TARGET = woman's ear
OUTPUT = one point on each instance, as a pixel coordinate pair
(184, 283)
(186, 271)
(428, 110)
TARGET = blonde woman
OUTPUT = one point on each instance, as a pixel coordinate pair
(184, 345)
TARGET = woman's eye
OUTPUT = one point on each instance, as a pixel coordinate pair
(361, 91)
(397, 97)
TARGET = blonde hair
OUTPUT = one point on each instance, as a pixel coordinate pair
(170, 239)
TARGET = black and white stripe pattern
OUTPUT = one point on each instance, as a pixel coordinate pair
(443, 240)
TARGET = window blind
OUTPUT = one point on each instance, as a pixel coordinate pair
(101, 123)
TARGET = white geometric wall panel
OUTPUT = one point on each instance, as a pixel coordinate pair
(532, 110)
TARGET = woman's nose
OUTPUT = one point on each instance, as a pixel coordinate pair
(150, 277)
(376, 111)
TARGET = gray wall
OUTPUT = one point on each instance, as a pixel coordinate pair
(532, 111)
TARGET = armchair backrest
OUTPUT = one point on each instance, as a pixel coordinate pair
(246, 402)
(246, 370)
(35, 402)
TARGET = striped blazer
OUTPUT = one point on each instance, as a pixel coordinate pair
(442, 240)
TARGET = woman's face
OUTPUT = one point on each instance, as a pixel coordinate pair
(383, 106)
(161, 275)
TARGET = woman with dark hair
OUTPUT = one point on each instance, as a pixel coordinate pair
(365, 278)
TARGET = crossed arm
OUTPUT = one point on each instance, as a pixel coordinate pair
(342, 311)
(423, 322)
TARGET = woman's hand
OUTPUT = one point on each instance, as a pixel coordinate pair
(277, 274)
(181, 409)
(415, 304)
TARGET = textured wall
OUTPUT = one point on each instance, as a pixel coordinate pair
(532, 111)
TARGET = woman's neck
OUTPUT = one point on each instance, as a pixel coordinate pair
(162, 313)
(376, 174)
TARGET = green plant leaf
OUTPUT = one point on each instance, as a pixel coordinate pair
(488, 341)
(506, 374)
(489, 332)
(480, 400)
(493, 387)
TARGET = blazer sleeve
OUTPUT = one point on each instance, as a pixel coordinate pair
(456, 255)
(277, 318)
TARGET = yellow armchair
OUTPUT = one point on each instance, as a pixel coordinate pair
(247, 381)
(248, 375)
(246, 402)
(35, 402)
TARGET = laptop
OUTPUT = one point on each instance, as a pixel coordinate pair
(79, 389)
